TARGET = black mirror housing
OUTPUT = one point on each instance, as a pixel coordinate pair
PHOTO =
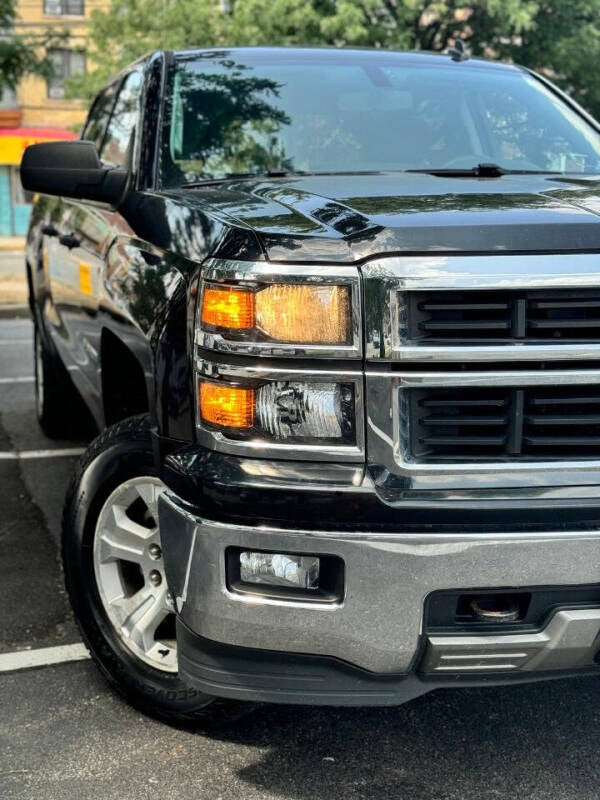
(71, 169)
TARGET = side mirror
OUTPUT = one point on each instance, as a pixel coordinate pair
(71, 169)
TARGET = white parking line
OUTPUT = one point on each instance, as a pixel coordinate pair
(22, 379)
(15, 455)
(44, 657)
(16, 341)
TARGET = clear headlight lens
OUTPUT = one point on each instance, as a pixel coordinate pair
(287, 313)
(282, 411)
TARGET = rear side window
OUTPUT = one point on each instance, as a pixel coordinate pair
(98, 117)
(123, 121)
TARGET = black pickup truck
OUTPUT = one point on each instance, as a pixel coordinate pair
(336, 315)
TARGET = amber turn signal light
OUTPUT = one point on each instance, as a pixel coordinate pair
(226, 406)
(225, 307)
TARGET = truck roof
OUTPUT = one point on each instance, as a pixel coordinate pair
(341, 54)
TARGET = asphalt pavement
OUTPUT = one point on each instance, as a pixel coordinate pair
(65, 734)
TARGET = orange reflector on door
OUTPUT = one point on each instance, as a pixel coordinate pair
(227, 406)
(225, 307)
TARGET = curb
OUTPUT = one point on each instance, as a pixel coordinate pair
(12, 244)
(14, 312)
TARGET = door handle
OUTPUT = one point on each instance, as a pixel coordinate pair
(69, 240)
(49, 230)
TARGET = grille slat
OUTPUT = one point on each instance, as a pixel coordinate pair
(466, 325)
(557, 304)
(534, 422)
(567, 419)
(555, 441)
(463, 420)
(471, 441)
(463, 306)
(502, 316)
(462, 401)
(563, 401)
(540, 324)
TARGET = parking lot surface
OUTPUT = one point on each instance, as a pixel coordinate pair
(65, 734)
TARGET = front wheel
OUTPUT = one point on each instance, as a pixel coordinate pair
(115, 576)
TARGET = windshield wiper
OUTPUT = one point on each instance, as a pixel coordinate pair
(243, 176)
(273, 173)
(481, 171)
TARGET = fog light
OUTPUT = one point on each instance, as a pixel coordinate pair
(280, 569)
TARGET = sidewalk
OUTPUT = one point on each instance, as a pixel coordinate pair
(12, 243)
(13, 282)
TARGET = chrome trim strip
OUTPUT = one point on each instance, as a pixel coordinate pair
(520, 378)
(507, 352)
(217, 440)
(384, 278)
(251, 273)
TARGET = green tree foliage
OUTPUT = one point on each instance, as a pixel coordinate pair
(558, 37)
(22, 55)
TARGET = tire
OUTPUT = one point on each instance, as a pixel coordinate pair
(108, 595)
(58, 406)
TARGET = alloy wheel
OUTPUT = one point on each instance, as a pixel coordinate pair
(129, 570)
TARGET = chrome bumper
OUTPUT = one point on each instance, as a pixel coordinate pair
(378, 625)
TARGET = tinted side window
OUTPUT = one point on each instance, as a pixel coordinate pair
(98, 116)
(122, 122)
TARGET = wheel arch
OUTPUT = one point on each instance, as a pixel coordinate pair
(124, 383)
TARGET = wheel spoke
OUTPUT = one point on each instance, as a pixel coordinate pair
(149, 492)
(147, 609)
(122, 538)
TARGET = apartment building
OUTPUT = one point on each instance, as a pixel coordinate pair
(38, 110)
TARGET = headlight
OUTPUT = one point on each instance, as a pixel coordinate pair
(287, 313)
(256, 308)
(281, 411)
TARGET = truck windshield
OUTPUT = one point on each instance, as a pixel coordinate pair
(235, 113)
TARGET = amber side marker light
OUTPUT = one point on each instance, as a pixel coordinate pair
(225, 307)
(227, 406)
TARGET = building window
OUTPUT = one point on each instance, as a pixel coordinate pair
(74, 8)
(8, 98)
(65, 64)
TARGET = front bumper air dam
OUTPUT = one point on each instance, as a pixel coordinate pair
(369, 649)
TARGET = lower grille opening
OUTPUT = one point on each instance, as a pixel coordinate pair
(506, 423)
(450, 611)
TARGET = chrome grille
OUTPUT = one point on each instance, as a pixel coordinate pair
(494, 424)
(502, 316)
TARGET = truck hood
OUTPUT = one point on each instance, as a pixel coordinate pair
(349, 218)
